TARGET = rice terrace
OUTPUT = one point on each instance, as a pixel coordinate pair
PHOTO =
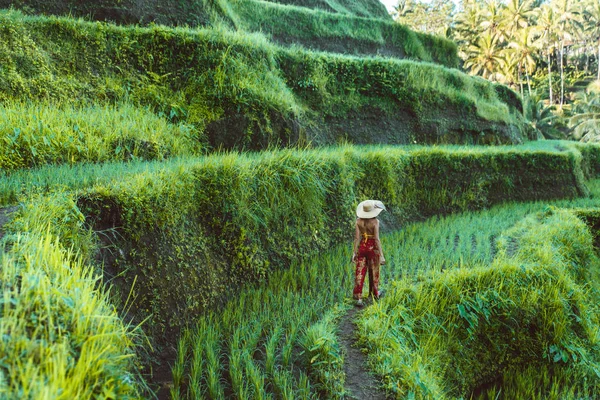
(192, 191)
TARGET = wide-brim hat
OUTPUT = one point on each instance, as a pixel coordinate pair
(369, 209)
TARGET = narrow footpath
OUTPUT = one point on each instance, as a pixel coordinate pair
(360, 384)
(5, 217)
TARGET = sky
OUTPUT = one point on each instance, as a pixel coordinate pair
(389, 4)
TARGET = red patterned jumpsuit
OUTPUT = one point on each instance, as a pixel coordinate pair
(367, 260)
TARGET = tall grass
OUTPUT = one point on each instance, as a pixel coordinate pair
(62, 338)
(40, 134)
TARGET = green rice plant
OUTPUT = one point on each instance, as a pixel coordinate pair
(270, 351)
(283, 386)
(214, 364)
(422, 326)
(256, 379)
(239, 386)
(182, 352)
(323, 356)
(288, 347)
(197, 364)
(304, 387)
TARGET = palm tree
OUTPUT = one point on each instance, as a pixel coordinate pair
(547, 26)
(507, 69)
(592, 24)
(517, 15)
(542, 117)
(404, 8)
(491, 17)
(585, 123)
(484, 57)
(568, 20)
(468, 24)
(523, 45)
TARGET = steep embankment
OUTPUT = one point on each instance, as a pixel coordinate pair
(238, 90)
(361, 8)
(341, 33)
(350, 27)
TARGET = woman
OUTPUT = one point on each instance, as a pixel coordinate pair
(367, 254)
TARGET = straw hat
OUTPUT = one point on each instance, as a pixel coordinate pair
(369, 209)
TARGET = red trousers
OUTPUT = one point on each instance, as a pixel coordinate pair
(367, 260)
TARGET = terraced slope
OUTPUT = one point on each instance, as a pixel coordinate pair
(350, 27)
(362, 8)
(237, 90)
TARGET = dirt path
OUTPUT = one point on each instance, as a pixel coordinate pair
(5, 217)
(359, 381)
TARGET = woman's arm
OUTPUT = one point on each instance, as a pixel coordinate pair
(356, 241)
(381, 256)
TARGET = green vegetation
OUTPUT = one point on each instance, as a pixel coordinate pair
(341, 33)
(280, 339)
(418, 253)
(525, 325)
(201, 229)
(166, 12)
(62, 337)
(41, 134)
(132, 237)
(172, 222)
(236, 90)
(368, 9)
(549, 48)
(352, 27)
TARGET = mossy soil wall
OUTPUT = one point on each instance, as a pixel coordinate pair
(187, 239)
(355, 27)
(240, 91)
(342, 33)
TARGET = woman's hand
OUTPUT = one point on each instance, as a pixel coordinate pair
(382, 261)
(353, 259)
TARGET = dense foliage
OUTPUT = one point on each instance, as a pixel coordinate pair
(350, 27)
(548, 50)
(222, 88)
(258, 321)
(235, 213)
(62, 336)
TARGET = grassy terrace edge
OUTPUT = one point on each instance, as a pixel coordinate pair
(235, 213)
(238, 90)
(314, 28)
